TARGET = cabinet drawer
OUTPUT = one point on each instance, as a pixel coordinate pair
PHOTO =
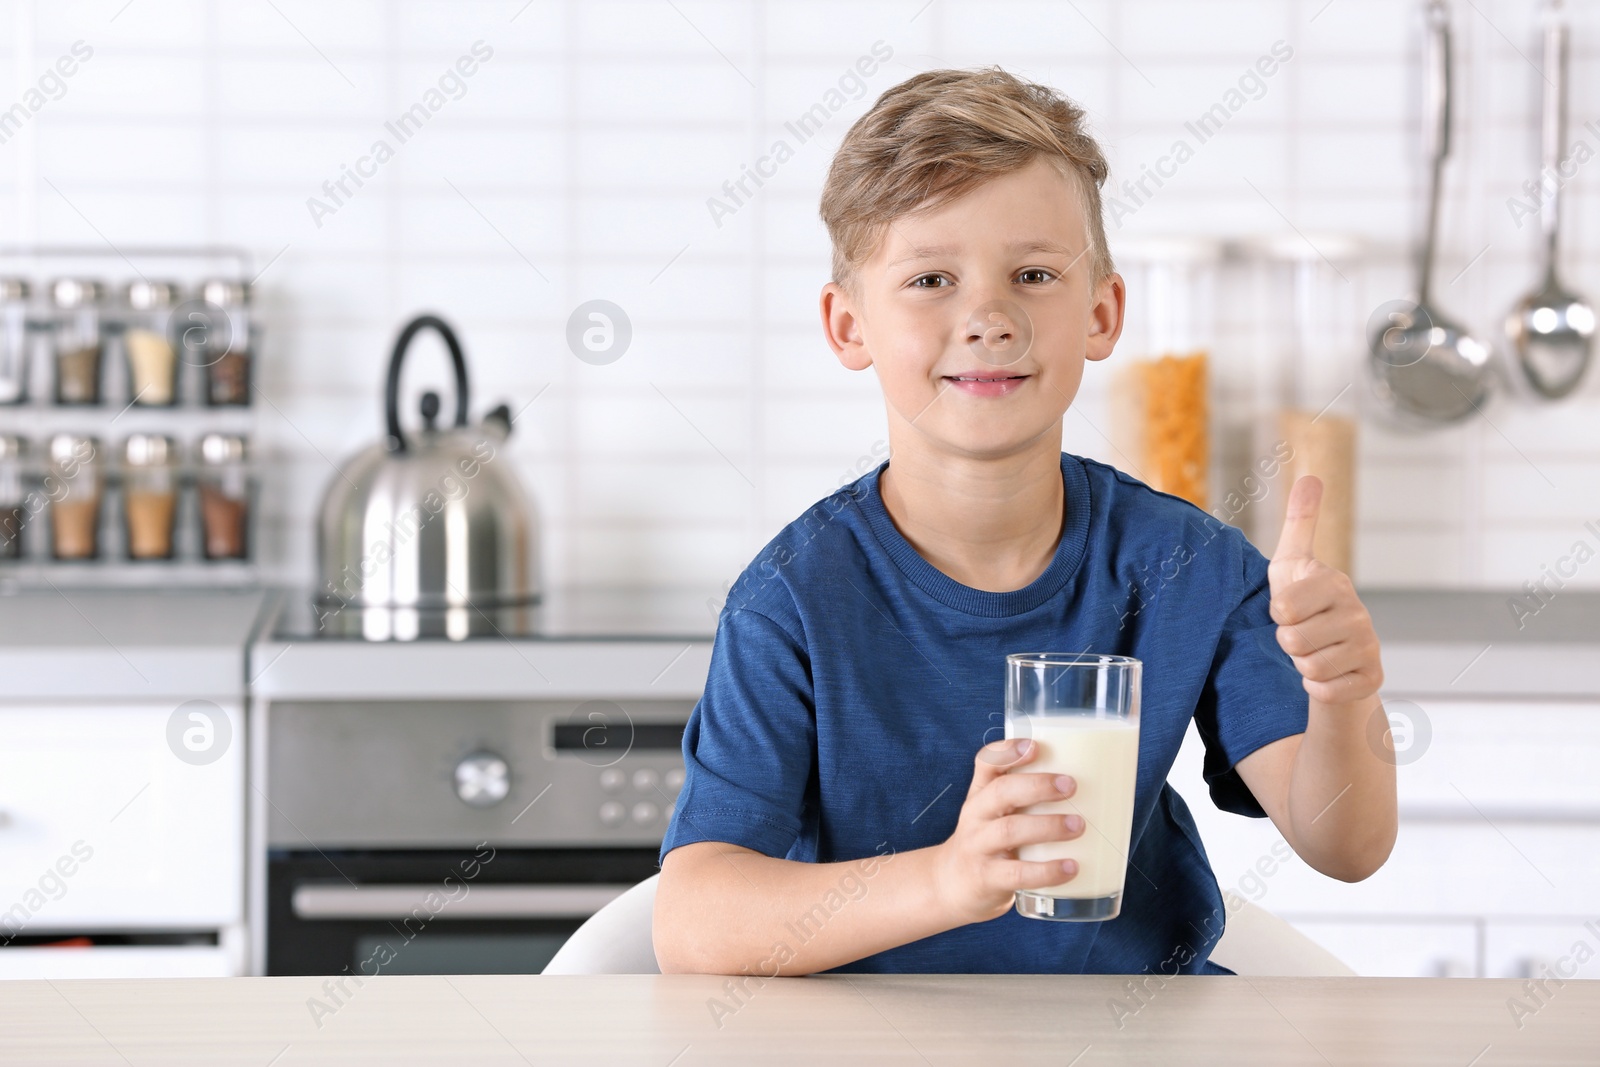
(104, 826)
(117, 961)
(1537, 949)
(1448, 869)
(1399, 948)
(1502, 857)
(1532, 760)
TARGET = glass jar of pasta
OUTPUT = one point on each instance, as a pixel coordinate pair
(1161, 394)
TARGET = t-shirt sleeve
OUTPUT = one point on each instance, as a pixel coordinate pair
(749, 750)
(1253, 694)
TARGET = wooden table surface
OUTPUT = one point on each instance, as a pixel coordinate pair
(683, 1020)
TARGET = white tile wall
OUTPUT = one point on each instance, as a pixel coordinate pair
(582, 156)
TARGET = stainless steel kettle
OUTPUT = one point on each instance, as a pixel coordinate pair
(434, 520)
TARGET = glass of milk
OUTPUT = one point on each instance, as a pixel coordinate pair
(1082, 710)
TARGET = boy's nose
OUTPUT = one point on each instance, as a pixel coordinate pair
(999, 332)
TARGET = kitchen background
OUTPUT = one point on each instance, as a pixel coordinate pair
(234, 762)
(579, 161)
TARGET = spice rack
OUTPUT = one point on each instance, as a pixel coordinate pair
(126, 417)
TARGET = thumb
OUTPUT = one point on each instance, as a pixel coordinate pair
(1299, 522)
(996, 759)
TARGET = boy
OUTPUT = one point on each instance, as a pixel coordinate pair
(834, 815)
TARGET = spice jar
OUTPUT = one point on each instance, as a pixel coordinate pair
(147, 342)
(227, 355)
(149, 495)
(77, 340)
(13, 495)
(74, 485)
(14, 348)
(224, 482)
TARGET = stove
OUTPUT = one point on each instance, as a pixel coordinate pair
(457, 791)
(562, 614)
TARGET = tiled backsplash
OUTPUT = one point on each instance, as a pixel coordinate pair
(537, 155)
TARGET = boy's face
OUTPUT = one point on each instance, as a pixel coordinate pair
(978, 316)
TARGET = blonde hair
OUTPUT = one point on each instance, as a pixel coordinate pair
(943, 133)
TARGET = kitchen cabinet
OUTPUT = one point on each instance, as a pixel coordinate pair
(1497, 733)
(122, 816)
(1497, 857)
(119, 832)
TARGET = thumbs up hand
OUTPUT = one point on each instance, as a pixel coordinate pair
(1322, 624)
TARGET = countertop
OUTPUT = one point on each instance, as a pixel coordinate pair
(61, 643)
(84, 617)
(1453, 643)
(1464, 644)
(651, 643)
(685, 1020)
(64, 643)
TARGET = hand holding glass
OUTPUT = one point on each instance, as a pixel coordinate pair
(1082, 711)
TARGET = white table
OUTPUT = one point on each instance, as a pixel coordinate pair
(657, 1021)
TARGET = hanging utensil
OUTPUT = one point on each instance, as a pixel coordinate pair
(1423, 363)
(1552, 329)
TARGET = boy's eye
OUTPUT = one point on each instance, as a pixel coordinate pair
(929, 281)
(1035, 275)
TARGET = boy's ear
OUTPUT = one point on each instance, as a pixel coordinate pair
(1105, 316)
(841, 325)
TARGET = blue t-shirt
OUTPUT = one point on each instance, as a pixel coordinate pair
(852, 683)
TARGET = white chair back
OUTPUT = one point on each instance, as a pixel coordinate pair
(1256, 942)
(616, 940)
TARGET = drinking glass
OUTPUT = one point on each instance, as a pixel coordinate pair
(1082, 710)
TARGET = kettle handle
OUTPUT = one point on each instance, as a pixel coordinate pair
(391, 393)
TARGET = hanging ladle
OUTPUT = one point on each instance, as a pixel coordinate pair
(1423, 363)
(1552, 329)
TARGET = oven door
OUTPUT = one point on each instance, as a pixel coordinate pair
(437, 911)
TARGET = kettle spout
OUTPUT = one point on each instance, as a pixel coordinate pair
(498, 422)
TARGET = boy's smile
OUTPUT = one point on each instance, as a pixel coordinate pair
(978, 315)
(979, 384)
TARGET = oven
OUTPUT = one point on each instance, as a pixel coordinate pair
(429, 836)
(437, 911)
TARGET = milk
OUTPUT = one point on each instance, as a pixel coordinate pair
(1102, 755)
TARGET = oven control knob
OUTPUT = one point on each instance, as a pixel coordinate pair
(644, 813)
(645, 779)
(612, 813)
(611, 779)
(482, 780)
(675, 779)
